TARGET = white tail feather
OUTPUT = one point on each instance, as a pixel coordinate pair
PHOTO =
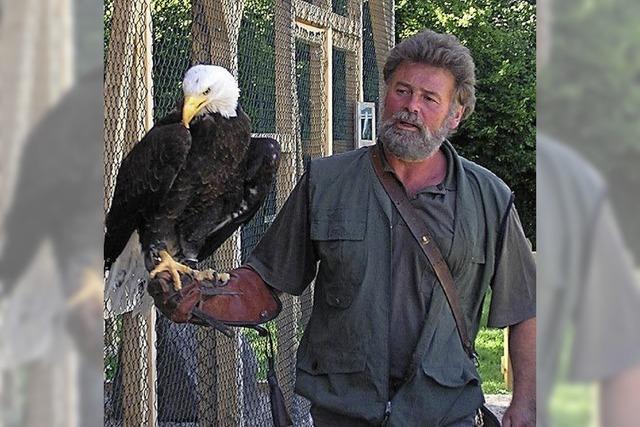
(126, 284)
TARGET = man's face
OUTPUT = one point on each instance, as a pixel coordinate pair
(418, 111)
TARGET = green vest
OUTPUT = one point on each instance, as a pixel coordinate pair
(343, 358)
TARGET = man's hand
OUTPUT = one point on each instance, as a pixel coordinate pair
(520, 414)
(244, 300)
(522, 350)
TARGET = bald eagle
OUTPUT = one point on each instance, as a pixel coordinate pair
(187, 185)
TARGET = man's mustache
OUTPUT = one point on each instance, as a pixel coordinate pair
(409, 117)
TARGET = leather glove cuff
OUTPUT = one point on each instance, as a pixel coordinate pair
(244, 300)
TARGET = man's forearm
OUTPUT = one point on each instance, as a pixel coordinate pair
(522, 350)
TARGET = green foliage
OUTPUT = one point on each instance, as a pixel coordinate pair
(260, 346)
(108, 18)
(256, 63)
(500, 134)
(489, 346)
(111, 363)
(112, 343)
(171, 51)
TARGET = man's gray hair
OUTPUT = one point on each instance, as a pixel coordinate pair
(443, 51)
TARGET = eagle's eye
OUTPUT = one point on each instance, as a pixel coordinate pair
(207, 92)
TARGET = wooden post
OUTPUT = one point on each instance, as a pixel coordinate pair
(286, 104)
(128, 85)
(321, 125)
(228, 363)
(328, 92)
(383, 27)
(206, 372)
(505, 361)
(215, 31)
(229, 384)
(360, 53)
(353, 77)
(134, 368)
(129, 114)
(152, 400)
(286, 126)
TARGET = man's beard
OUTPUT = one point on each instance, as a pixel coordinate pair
(411, 146)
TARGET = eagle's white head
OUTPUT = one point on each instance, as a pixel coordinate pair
(209, 89)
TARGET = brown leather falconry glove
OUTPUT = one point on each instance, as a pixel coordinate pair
(244, 300)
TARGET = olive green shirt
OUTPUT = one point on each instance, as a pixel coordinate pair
(413, 278)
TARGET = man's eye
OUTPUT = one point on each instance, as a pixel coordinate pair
(429, 99)
(401, 91)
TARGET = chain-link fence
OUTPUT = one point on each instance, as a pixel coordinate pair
(302, 67)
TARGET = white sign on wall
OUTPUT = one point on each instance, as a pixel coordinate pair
(365, 124)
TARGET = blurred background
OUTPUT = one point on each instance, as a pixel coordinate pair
(51, 113)
(588, 199)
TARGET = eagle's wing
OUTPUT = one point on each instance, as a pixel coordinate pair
(263, 158)
(144, 178)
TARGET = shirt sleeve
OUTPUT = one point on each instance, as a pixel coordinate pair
(513, 297)
(285, 257)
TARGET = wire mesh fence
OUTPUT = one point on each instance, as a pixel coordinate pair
(301, 67)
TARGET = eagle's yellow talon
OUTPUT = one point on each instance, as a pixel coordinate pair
(211, 275)
(167, 263)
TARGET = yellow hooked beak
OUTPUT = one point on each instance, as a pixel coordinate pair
(192, 105)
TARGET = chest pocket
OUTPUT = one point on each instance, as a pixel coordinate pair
(445, 361)
(338, 236)
(333, 339)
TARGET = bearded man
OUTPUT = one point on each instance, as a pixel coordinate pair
(382, 345)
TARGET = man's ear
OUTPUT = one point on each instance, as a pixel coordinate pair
(454, 121)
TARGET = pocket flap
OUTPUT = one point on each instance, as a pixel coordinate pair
(451, 375)
(328, 361)
(338, 224)
(340, 296)
(478, 256)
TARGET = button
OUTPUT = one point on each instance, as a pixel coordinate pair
(425, 240)
(336, 301)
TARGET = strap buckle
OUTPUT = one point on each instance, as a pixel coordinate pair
(476, 359)
(478, 419)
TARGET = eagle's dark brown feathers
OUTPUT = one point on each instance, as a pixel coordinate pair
(187, 190)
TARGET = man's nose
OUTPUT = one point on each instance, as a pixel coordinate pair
(413, 104)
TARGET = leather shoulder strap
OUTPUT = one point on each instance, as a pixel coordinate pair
(422, 235)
